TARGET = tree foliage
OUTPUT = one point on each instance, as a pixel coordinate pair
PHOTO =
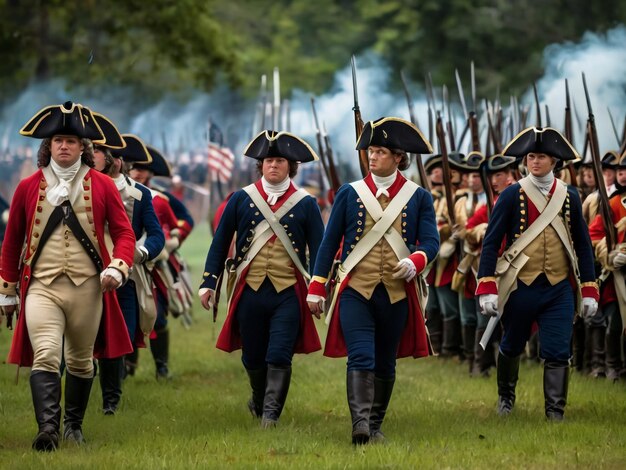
(177, 45)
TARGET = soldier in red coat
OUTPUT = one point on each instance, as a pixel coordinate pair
(66, 276)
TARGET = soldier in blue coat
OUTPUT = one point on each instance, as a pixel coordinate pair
(547, 252)
(389, 232)
(109, 158)
(276, 224)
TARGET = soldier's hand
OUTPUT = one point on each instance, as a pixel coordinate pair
(141, 255)
(110, 279)
(207, 299)
(619, 260)
(590, 307)
(8, 311)
(405, 269)
(488, 305)
(316, 304)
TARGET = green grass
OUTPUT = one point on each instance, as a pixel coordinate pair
(438, 418)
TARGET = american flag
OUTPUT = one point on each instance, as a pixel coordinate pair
(221, 159)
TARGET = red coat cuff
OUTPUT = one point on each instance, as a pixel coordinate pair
(419, 260)
(591, 291)
(487, 287)
(317, 288)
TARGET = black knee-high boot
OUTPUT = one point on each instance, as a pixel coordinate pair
(508, 372)
(555, 385)
(383, 388)
(77, 391)
(46, 391)
(278, 380)
(111, 373)
(160, 347)
(360, 387)
(258, 379)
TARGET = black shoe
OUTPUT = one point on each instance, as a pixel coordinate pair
(277, 386)
(508, 372)
(46, 393)
(383, 389)
(258, 378)
(555, 385)
(77, 391)
(360, 388)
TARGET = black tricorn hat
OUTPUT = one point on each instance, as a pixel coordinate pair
(540, 140)
(66, 119)
(158, 166)
(112, 138)
(621, 161)
(135, 150)
(280, 145)
(393, 133)
(611, 159)
(474, 160)
(499, 162)
(432, 162)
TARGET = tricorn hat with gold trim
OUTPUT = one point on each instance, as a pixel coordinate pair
(135, 150)
(66, 119)
(610, 159)
(499, 162)
(456, 161)
(540, 140)
(112, 138)
(158, 166)
(393, 133)
(474, 160)
(280, 145)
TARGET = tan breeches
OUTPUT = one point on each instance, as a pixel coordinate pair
(64, 310)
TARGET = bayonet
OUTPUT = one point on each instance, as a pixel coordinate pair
(358, 122)
(605, 209)
(418, 158)
(276, 110)
(619, 141)
(537, 106)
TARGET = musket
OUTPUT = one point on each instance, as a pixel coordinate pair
(320, 144)
(418, 158)
(491, 133)
(446, 104)
(619, 141)
(569, 134)
(473, 117)
(459, 87)
(537, 106)
(358, 122)
(622, 148)
(445, 164)
(332, 168)
(604, 209)
(547, 115)
(430, 110)
(276, 109)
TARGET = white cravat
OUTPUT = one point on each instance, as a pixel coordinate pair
(544, 183)
(274, 191)
(383, 183)
(60, 192)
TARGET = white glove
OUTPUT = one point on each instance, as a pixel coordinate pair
(488, 305)
(6, 300)
(405, 269)
(141, 255)
(590, 307)
(619, 260)
(171, 244)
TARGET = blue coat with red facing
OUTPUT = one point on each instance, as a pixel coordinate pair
(304, 225)
(419, 227)
(104, 203)
(511, 216)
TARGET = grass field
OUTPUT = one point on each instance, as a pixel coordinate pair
(438, 418)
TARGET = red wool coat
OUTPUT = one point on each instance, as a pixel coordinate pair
(26, 218)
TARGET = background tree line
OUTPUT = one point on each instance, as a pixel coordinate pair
(178, 45)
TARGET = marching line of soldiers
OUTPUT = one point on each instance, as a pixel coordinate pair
(399, 270)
